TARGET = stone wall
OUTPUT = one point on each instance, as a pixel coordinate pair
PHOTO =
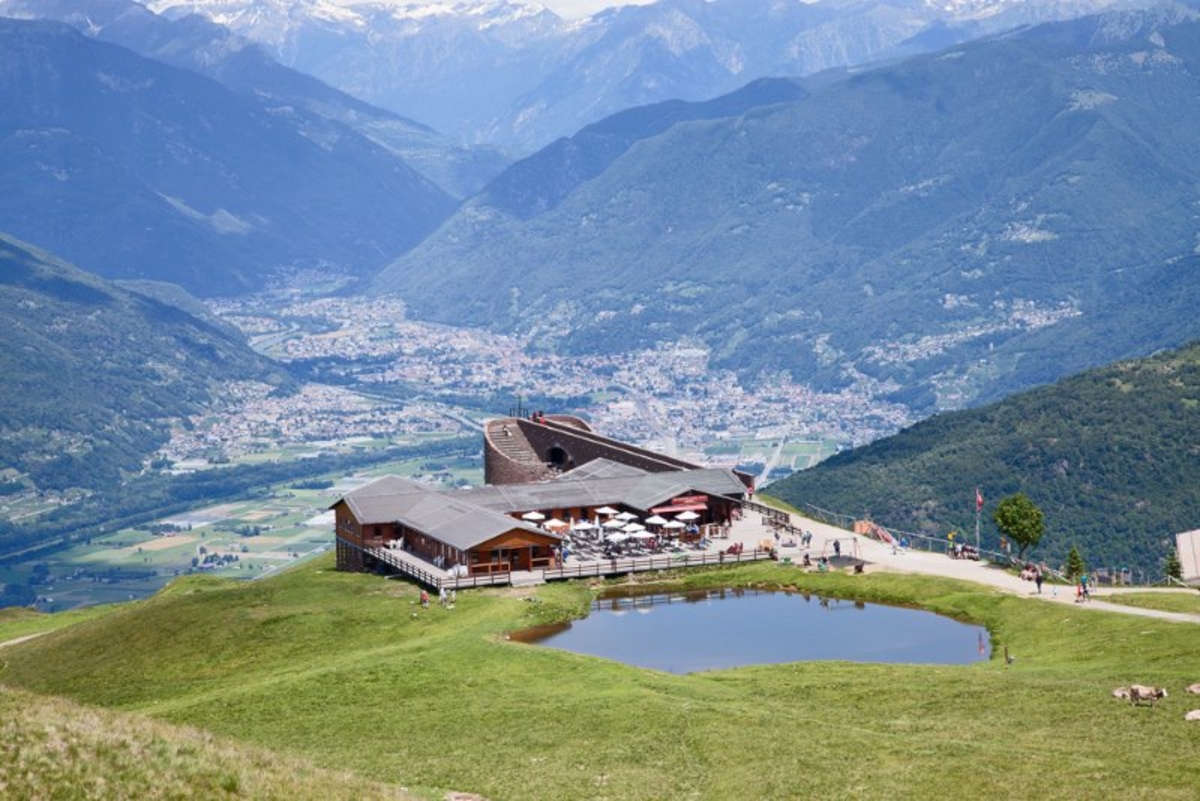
(562, 443)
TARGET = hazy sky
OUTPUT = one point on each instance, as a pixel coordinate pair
(581, 8)
(568, 9)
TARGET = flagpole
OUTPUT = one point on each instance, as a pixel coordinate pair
(978, 509)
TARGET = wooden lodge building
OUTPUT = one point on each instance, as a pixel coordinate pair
(554, 467)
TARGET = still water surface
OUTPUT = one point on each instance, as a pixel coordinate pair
(686, 632)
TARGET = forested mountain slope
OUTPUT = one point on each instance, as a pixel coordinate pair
(1112, 456)
(954, 227)
(93, 373)
(134, 169)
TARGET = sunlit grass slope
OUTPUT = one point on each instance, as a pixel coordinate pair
(1187, 602)
(18, 621)
(348, 671)
(54, 748)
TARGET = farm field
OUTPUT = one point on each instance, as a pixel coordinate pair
(756, 451)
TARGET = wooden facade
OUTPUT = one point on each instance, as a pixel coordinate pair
(517, 549)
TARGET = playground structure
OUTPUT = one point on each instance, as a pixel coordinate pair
(870, 528)
(841, 548)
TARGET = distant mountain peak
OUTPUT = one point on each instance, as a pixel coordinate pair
(271, 21)
(517, 75)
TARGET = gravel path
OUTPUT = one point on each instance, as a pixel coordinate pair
(880, 556)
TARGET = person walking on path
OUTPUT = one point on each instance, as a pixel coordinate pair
(1038, 578)
(1083, 587)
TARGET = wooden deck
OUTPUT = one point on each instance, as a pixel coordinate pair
(420, 570)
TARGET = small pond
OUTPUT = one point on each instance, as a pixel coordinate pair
(716, 629)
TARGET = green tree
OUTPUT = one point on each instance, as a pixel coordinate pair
(1021, 521)
(1075, 565)
(1172, 565)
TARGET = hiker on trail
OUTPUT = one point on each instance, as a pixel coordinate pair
(1038, 578)
(1083, 587)
(837, 548)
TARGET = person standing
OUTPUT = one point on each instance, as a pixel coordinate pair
(1084, 587)
(1038, 578)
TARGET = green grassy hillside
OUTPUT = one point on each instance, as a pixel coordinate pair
(53, 748)
(1111, 457)
(347, 671)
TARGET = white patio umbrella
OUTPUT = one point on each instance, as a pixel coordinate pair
(627, 516)
(656, 520)
(606, 510)
(633, 527)
(554, 522)
(688, 515)
(617, 536)
(535, 516)
(642, 535)
(673, 524)
(614, 523)
(583, 525)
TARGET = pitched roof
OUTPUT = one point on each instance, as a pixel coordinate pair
(630, 487)
(439, 514)
(469, 517)
(601, 468)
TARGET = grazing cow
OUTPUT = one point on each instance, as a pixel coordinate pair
(1193, 715)
(1194, 688)
(1121, 692)
(1140, 692)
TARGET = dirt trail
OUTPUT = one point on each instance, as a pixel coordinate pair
(19, 640)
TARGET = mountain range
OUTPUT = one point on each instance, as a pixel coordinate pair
(196, 44)
(952, 227)
(517, 75)
(1111, 456)
(131, 168)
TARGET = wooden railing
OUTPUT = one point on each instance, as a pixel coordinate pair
(427, 577)
(477, 580)
(636, 564)
(437, 579)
